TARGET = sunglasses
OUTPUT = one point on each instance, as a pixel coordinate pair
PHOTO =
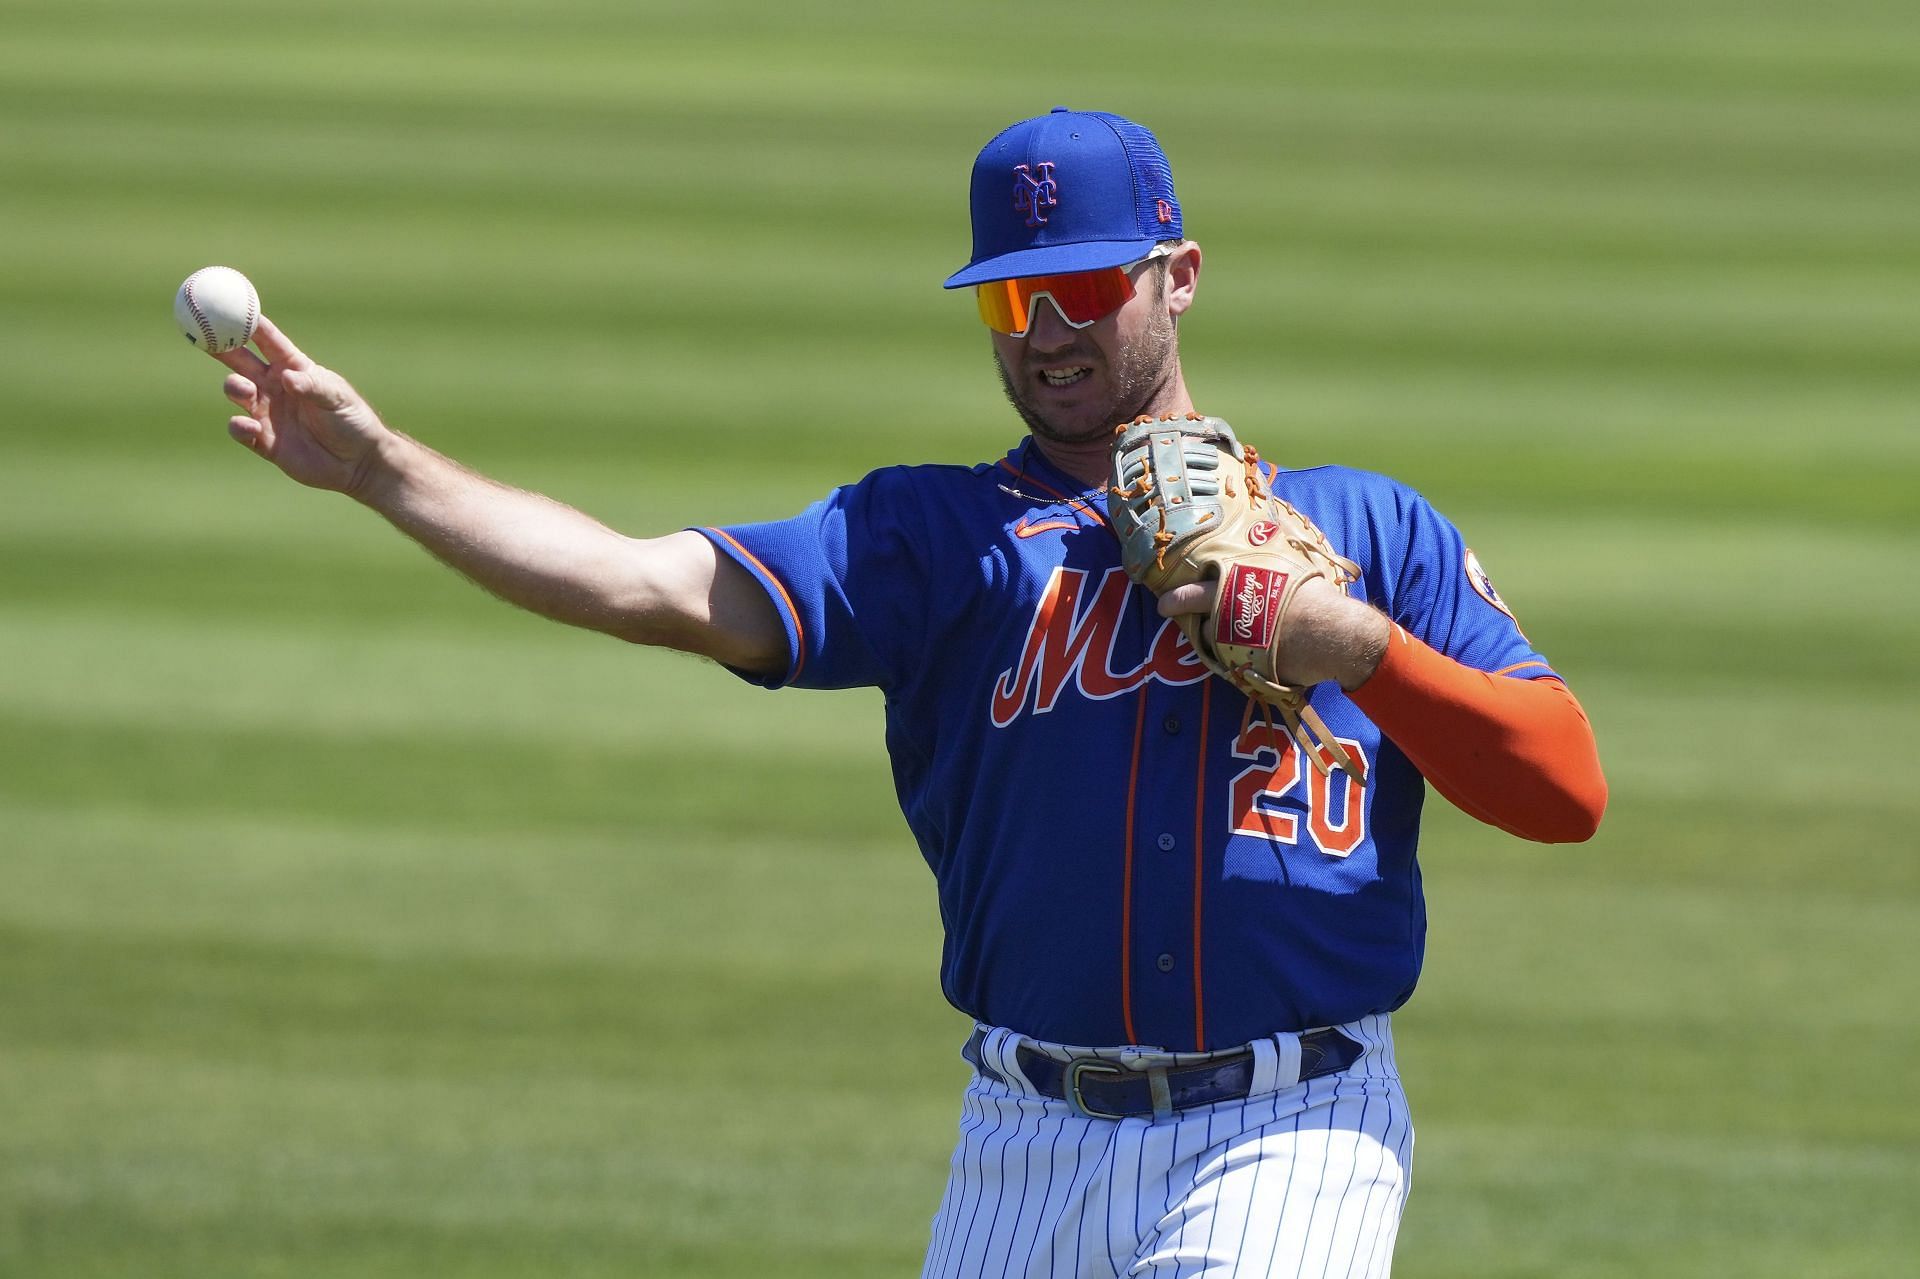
(1081, 297)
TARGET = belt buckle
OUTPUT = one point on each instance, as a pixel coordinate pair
(1156, 1087)
(1070, 1085)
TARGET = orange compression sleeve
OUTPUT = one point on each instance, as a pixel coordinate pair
(1515, 753)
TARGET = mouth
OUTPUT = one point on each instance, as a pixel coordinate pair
(1068, 376)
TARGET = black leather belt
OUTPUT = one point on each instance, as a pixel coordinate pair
(1103, 1089)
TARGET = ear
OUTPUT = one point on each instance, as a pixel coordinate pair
(1183, 277)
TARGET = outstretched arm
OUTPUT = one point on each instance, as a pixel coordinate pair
(675, 591)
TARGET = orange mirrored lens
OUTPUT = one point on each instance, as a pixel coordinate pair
(1082, 298)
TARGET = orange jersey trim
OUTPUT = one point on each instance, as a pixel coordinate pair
(1199, 868)
(1126, 882)
(786, 600)
(1515, 753)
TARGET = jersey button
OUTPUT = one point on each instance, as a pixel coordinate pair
(1165, 841)
(1166, 963)
(1171, 723)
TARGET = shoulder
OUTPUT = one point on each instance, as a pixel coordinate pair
(923, 481)
(926, 495)
(927, 509)
(1348, 497)
(1385, 525)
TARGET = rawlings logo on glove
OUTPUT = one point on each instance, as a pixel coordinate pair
(1250, 601)
(1188, 501)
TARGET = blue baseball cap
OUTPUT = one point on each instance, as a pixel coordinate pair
(1068, 191)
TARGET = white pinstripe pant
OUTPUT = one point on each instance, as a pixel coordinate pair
(1297, 1180)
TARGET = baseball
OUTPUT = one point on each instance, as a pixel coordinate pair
(216, 308)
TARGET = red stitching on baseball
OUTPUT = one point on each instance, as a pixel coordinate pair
(206, 327)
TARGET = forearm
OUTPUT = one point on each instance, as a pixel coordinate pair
(527, 549)
(676, 591)
(1515, 753)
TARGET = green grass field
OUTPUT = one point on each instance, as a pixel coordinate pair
(352, 924)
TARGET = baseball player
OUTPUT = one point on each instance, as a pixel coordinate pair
(1179, 933)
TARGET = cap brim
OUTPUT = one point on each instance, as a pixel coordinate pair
(1053, 259)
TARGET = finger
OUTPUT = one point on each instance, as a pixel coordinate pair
(1196, 597)
(277, 346)
(252, 432)
(241, 391)
(243, 362)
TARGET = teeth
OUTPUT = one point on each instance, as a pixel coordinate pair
(1063, 377)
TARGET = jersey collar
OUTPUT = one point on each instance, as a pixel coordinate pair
(1027, 459)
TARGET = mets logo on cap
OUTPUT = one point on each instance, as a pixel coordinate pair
(1035, 192)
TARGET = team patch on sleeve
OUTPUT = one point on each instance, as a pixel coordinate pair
(1483, 585)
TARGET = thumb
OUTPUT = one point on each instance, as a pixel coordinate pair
(1195, 597)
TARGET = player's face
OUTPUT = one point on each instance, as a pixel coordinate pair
(1073, 385)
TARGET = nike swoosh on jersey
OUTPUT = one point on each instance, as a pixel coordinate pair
(1024, 529)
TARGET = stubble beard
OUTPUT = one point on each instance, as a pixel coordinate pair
(1136, 378)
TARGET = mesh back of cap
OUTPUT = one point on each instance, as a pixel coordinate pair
(1152, 178)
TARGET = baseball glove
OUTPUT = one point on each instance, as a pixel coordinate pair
(1189, 504)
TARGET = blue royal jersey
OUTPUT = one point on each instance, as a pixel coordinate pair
(1126, 851)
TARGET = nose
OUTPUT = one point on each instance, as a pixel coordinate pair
(1049, 330)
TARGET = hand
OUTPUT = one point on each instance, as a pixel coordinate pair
(1328, 635)
(305, 419)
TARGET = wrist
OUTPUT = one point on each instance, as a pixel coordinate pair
(382, 471)
(1331, 637)
(1368, 632)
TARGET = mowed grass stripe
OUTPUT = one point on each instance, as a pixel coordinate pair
(1719, 744)
(1665, 420)
(273, 1225)
(109, 1240)
(1353, 261)
(1592, 568)
(1747, 332)
(635, 1204)
(363, 1147)
(1503, 216)
(1546, 478)
(1324, 186)
(195, 490)
(1614, 1075)
(331, 678)
(1513, 1201)
(1347, 276)
(1788, 839)
(1568, 442)
(655, 785)
(407, 889)
(1666, 952)
(1814, 63)
(274, 1006)
(929, 390)
(1617, 136)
